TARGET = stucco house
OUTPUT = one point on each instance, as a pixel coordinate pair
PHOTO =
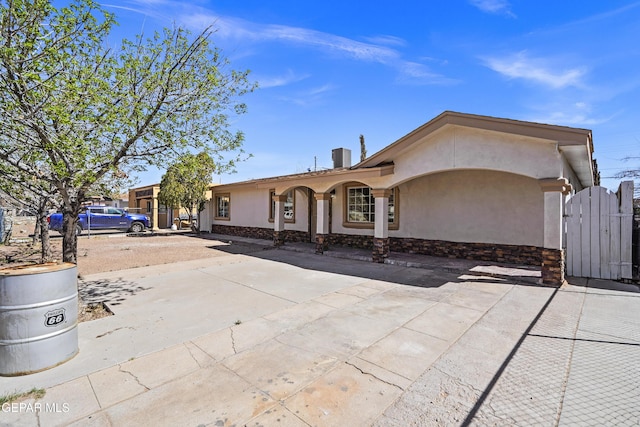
(461, 185)
(145, 200)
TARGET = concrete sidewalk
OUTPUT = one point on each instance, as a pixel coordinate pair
(269, 337)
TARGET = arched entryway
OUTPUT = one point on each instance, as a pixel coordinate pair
(294, 214)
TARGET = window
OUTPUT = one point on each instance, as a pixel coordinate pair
(361, 207)
(288, 206)
(223, 203)
(114, 211)
(392, 206)
(149, 206)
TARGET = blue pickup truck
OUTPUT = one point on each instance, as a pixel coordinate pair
(103, 218)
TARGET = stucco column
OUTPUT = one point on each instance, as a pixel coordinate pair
(381, 225)
(554, 190)
(278, 220)
(154, 214)
(322, 229)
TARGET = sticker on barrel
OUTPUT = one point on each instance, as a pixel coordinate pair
(54, 317)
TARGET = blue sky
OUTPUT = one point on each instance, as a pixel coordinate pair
(329, 71)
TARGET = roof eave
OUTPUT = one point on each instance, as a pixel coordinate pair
(561, 134)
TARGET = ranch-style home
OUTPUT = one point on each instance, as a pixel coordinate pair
(461, 185)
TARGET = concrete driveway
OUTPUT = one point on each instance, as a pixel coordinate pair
(263, 337)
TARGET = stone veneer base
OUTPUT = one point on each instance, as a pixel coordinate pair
(553, 268)
(511, 254)
(322, 243)
(259, 233)
(380, 249)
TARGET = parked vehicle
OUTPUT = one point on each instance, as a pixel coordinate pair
(103, 218)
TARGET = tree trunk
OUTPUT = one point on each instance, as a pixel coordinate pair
(36, 230)
(193, 229)
(43, 229)
(196, 228)
(70, 212)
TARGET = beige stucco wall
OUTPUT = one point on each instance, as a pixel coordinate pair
(458, 147)
(249, 207)
(300, 211)
(463, 206)
(568, 173)
(472, 206)
(457, 184)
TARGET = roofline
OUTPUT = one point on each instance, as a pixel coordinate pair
(563, 135)
(310, 177)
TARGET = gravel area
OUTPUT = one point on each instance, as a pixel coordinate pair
(118, 252)
(110, 251)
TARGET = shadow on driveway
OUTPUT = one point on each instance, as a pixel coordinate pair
(413, 270)
(108, 291)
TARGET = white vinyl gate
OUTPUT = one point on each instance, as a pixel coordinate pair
(598, 227)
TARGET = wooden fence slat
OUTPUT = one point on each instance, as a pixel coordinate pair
(605, 235)
(598, 226)
(594, 213)
(626, 228)
(568, 226)
(568, 213)
(574, 235)
(614, 242)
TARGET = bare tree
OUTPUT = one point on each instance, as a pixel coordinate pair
(95, 114)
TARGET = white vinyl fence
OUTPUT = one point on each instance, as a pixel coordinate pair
(599, 226)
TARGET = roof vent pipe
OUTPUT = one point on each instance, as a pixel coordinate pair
(341, 158)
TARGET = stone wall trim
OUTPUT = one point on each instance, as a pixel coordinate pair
(511, 254)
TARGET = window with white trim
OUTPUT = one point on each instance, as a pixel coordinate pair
(223, 204)
(361, 205)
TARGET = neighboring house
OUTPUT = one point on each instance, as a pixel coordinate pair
(461, 185)
(119, 201)
(145, 200)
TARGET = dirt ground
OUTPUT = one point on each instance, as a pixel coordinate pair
(109, 251)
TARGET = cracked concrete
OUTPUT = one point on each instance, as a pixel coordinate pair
(374, 376)
(233, 341)
(327, 341)
(134, 377)
(113, 330)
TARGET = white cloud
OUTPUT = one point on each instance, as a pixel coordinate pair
(377, 49)
(312, 96)
(538, 70)
(579, 113)
(574, 118)
(497, 7)
(320, 90)
(386, 40)
(282, 80)
(416, 73)
(231, 27)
